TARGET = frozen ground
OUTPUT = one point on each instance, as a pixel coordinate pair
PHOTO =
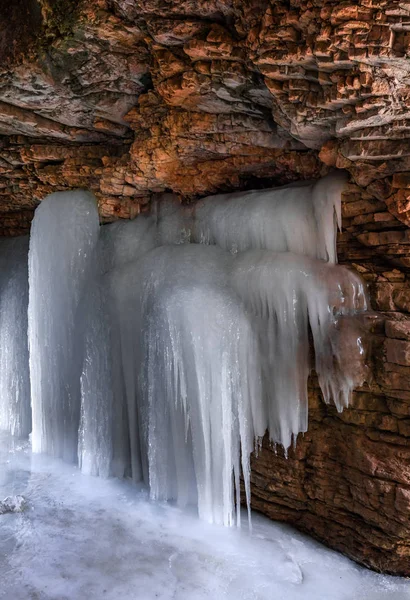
(84, 538)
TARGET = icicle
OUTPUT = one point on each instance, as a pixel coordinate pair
(15, 411)
(297, 218)
(195, 387)
(61, 259)
(286, 293)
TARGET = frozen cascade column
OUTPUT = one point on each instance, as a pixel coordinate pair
(198, 376)
(63, 239)
(95, 443)
(15, 411)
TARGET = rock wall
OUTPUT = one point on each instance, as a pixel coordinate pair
(132, 99)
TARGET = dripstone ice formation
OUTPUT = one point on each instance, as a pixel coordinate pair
(132, 100)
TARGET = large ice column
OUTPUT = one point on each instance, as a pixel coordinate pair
(64, 235)
(121, 244)
(15, 410)
(191, 365)
(96, 431)
(298, 218)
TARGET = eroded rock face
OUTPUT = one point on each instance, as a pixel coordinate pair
(133, 99)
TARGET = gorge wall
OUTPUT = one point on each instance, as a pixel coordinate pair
(132, 100)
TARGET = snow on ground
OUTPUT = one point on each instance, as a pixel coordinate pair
(84, 538)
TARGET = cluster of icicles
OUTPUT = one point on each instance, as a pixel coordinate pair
(163, 348)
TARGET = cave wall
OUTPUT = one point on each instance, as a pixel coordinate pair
(195, 97)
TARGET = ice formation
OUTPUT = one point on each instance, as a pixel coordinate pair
(15, 411)
(288, 294)
(186, 341)
(95, 442)
(297, 218)
(164, 348)
(12, 504)
(62, 258)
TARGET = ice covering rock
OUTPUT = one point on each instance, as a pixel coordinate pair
(15, 411)
(288, 295)
(12, 504)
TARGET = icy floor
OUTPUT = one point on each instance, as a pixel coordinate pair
(87, 539)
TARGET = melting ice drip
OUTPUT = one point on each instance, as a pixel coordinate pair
(165, 347)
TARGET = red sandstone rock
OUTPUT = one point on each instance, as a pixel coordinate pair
(301, 67)
(398, 329)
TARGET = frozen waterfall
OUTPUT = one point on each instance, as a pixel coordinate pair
(61, 262)
(164, 348)
(15, 412)
(297, 218)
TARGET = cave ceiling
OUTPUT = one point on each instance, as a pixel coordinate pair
(135, 99)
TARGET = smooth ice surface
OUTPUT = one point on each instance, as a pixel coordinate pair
(15, 411)
(95, 440)
(64, 235)
(89, 538)
(124, 241)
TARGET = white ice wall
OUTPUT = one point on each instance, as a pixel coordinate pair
(15, 411)
(63, 238)
(163, 348)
